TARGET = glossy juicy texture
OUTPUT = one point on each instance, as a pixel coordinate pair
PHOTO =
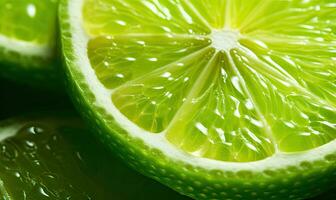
(29, 20)
(28, 40)
(227, 80)
(51, 156)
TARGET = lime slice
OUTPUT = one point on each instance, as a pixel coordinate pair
(216, 99)
(28, 40)
(45, 156)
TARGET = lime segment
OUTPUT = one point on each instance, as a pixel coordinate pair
(118, 60)
(146, 100)
(211, 11)
(226, 125)
(299, 119)
(160, 17)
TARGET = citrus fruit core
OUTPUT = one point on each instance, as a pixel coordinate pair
(225, 40)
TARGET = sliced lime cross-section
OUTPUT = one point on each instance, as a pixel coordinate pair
(28, 40)
(224, 95)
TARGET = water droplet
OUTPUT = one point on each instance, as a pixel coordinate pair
(30, 145)
(8, 152)
(43, 191)
(35, 130)
(17, 174)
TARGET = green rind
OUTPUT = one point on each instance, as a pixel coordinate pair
(293, 183)
(33, 70)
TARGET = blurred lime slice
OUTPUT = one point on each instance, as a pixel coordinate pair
(51, 156)
(28, 40)
(216, 99)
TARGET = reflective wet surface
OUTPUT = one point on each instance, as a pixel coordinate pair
(52, 156)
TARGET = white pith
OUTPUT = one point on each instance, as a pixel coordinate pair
(25, 48)
(158, 141)
(225, 40)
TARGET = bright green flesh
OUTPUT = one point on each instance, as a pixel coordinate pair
(28, 42)
(29, 20)
(276, 90)
(52, 156)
